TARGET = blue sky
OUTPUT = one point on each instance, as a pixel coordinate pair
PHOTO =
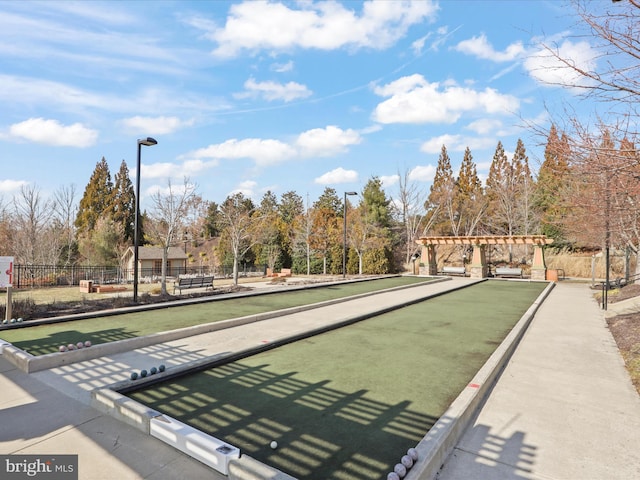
(280, 96)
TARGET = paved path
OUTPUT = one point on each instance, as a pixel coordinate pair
(563, 409)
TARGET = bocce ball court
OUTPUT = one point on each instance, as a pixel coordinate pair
(347, 403)
(47, 337)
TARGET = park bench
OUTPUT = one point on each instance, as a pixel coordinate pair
(185, 283)
(285, 272)
(508, 272)
(453, 271)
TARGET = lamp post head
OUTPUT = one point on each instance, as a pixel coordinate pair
(350, 193)
(147, 141)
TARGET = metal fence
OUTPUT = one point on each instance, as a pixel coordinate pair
(51, 276)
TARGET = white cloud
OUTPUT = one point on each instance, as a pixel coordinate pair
(389, 180)
(545, 67)
(422, 173)
(263, 152)
(166, 189)
(155, 125)
(52, 132)
(188, 168)
(336, 176)
(485, 126)
(274, 91)
(247, 188)
(11, 186)
(36, 92)
(434, 145)
(481, 48)
(318, 142)
(458, 143)
(257, 26)
(282, 67)
(414, 100)
(418, 45)
(325, 142)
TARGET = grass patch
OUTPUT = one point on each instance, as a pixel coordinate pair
(46, 338)
(348, 403)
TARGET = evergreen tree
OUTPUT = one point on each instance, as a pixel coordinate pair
(329, 201)
(325, 233)
(290, 209)
(551, 182)
(524, 186)
(268, 232)
(376, 203)
(500, 194)
(97, 199)
(439, 205)
(470, 204)
(212, 221)
(378, 256)
(123, 207)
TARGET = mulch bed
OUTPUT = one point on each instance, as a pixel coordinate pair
(626, 332)
(32, 310)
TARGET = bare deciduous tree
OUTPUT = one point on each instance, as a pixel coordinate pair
(410, 211)
(237, 222)
(64, 211)
(33, 241)
(166, 226)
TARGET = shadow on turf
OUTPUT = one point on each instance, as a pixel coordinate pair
(321, 432)
(53, 342)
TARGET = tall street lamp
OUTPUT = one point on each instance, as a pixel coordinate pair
(147, 142)
(344, 238)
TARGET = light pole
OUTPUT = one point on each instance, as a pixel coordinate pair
(344, 238)
(147, 142)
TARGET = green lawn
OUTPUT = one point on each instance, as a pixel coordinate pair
(43, 339)
(348, 403)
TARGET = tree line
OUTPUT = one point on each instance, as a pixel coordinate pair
(579, 201)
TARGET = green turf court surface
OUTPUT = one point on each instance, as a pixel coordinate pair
(347, 404)
(47, 338)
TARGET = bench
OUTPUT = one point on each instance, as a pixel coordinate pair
(453, 271)
(285, 272)
(508, 272)
(185, 283)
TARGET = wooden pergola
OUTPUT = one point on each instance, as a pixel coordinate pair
(479, 266)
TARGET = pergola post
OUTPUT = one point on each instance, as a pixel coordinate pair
(428, 257)
(538, 266)
(479, 267)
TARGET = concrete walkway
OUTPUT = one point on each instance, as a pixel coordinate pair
(564, 408)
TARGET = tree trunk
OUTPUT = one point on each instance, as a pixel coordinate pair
(163, 282)
(235, 270)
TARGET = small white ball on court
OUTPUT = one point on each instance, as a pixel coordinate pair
(274, 444)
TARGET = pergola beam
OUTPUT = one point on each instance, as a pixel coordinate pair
(486, 240)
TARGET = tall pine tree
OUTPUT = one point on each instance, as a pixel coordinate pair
(470, 204)
(123, 206)
(441, 196)
(550, 185)
(97, 199)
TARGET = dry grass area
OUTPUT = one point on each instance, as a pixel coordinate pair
(32, 303)
(626, 332)
(584, 265)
